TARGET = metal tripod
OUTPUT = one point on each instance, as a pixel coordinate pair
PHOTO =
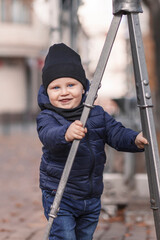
(131, 8)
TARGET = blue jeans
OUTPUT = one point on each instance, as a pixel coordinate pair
(76, 219)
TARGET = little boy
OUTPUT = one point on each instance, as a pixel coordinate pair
(61, 100)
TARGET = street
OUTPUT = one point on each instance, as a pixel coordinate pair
(21, 211)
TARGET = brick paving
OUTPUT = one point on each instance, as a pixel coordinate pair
(21, 213)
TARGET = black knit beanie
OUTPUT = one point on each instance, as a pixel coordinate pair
(62, 61)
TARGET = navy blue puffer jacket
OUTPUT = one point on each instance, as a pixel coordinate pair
(86, 177)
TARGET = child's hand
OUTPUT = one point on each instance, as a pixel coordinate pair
(75, 131)
(140, 141)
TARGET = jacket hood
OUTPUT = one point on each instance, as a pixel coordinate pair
(44, 99)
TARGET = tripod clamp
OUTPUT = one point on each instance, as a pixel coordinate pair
(126, 6)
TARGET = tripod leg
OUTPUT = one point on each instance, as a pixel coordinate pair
(87, 107)
(102, 63)
(145, 104)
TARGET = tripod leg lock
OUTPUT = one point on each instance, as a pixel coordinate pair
(52, 216)
(88, 105)
(53, 213)
(126, 6)
(145, 106)
(153, 205)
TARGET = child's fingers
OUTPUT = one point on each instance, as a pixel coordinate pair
(75, 131)
(78, 123)
(80, 132)
(78, 135)
(143, 140)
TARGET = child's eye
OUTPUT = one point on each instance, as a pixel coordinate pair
(56, 87)
(70, 85)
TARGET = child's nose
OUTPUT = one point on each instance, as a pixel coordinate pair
(64, 91)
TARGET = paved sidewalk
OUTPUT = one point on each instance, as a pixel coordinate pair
(21, 214)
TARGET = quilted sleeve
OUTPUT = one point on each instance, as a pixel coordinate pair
(51, 132)
(119, 137)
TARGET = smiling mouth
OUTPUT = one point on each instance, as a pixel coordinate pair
(66, 100)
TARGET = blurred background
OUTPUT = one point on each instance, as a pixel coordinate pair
(27, 29)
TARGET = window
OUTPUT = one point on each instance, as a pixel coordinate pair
(16, 11)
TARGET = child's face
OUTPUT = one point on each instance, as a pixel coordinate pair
(65, 92)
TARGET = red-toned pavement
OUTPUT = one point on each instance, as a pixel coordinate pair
(21, 213)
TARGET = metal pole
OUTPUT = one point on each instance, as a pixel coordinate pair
(145, 104)
(132, 8)
(87, 107)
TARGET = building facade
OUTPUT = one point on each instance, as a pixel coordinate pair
(23, 39)
(27, 29)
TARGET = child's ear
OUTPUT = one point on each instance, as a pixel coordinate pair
(83, 91)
